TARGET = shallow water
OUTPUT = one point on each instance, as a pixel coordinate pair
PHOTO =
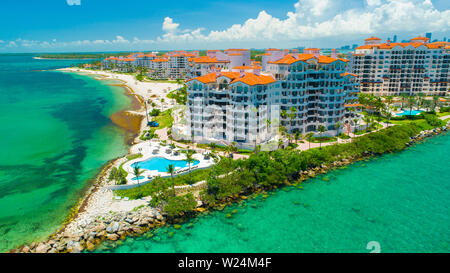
(55, 135)
(401, 201)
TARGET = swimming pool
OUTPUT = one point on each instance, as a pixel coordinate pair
(160, 164)
(408, 113)
(136, 178)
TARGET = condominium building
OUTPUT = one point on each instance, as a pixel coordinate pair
(171, 65)
(216, 59)
(410, 68)
(242, 105)
(159, 68)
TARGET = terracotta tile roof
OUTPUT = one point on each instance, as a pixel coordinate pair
(434, 45)
(237, 49)
(290, 59)
(212, 77)
(252, 79)
(372, 39)
(354, 105)
(159, 60)
(207, 59)
(248, 78)
(420, 38)
(235, 54)
(243, 67)
(348, 74)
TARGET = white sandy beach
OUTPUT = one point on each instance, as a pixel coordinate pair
(102, 202)
(147, 90)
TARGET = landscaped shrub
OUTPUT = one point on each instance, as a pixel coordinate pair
(433, 120)
(155, 112)
(444, 109)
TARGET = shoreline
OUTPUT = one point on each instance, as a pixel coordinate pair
(91, 221)
(119, 226)
(131, 120)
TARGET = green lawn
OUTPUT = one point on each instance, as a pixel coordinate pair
(164, 119)
(323, 139)
(443, 114)
(420, 122)
(343, 136)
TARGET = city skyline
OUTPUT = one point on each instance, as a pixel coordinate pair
(85, 25)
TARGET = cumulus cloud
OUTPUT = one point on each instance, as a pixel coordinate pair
(309, 20)
(312, 19)
(73, 2)
(169, 26)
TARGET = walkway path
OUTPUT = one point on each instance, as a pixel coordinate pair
(307, 145)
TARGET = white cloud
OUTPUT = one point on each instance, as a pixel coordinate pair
(373, 2)
(73, 2)
(315, 19)
(310, 20)
(169, 26)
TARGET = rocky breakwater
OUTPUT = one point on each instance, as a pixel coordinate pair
(428, 133)
(88, 233)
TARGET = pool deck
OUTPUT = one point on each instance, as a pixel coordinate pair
(148, 149)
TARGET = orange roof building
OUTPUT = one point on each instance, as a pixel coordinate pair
(393, 69)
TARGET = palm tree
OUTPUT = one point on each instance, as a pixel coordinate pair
(388, 115)
(171, 169)
(137, 173)
(435, 102)
(189, 159)
(298, 136)
(268, 123)
(338, 125)
(308, 137)
(322, 129)
(367, 120)
(403, 98)
(389, 101)
(411, 102)
(230, 149)
(292, 116)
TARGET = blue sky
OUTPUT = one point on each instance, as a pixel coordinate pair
(108, 25)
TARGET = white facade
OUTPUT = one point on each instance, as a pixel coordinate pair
(298, 91)
(392, 69)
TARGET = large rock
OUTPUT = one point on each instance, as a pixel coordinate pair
(42, 248)
(25, 249)
(90, 246)
(115, 227)
(113, 237)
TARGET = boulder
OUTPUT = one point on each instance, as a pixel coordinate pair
(90, 246)
(115, 227)
(25, 249)
(42, 248)
(112, 237)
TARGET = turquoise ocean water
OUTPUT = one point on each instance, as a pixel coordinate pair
(55, 134)
(401, 201)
